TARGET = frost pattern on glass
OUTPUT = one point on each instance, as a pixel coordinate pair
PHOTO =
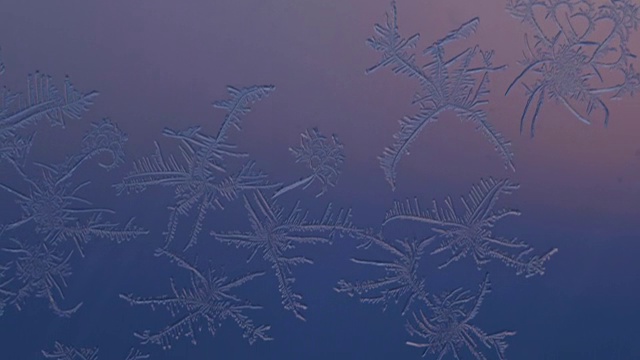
(206, 302)
(275, 233)
(323, 156)
(5, 294)
(40, 271)
(201, 180)
(42, 101)
(446, 327)
(52, 203)
(64, 352)
(458, 83)
(401, 277)
(569, 61)
(471, 233)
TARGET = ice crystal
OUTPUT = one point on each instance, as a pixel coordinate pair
(53, 205)
(401, 275)
(568, 60)
(43, 100)
(207, 300)
(201, 179)
(275, 233)
(447, 328)
(64, 352)
(471, 233)
(40, 271)
(322, 156)
(446, 83)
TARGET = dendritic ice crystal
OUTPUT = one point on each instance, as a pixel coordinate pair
(577, 56)
(42, 101)
(446, 327)
(52, 203)
(201, 180)
(323, 156)
(206, 302)
(401, 279)
(458, 83)
(275, 233)
(471, 233)
(40, 271)
(65, 352)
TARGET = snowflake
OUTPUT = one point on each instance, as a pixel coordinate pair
(449, 331)
(53, 204)
(41, 271)
(401, 275)
(569, 64)
(201, 181)
(64, 352)
(324, 158)
(447, 83)
(208, 299)
(471, 233)
(276, 233)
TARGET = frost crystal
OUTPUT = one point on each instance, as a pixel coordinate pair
(201, 180)
(569, 61)
(40, 271)
(401, 276)
(447, 83)
(324, 158)
(471, 233)
(276, 233)
(447, 329)
(53, 205)
(64, 352)
(208, 299)
(41, 101)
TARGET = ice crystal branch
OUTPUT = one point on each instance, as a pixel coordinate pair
(401, 275)
(458, 83)
(208, 300)
(447, 329)
(568, 61)
(471, 233)
(275, 233)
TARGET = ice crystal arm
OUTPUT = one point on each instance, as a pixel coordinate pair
(81, 234)
(238, 105)
(153, 170)
(472, 232)
(393, 47)
(208, 195)
(207, 300)
(274, 233)
(5, 294)
(15, 148)
(44, 101)
(447, 84)
(64, 352)
(135, 354)
(40, 272)
(463, 32)
(448, 330)
(401, 278)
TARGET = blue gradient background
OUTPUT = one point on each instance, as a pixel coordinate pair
(161, 63)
